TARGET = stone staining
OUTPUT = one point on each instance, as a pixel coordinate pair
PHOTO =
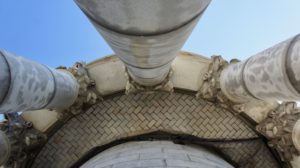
(293, 62)
(18, 141)
(268, 75)
(279, 126)
(33, 86)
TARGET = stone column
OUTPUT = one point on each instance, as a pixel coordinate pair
(26, 85)
(273, 74)
(145, 35)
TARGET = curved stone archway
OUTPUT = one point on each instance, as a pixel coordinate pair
(122, 116)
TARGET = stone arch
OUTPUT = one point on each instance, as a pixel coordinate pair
(122, 116)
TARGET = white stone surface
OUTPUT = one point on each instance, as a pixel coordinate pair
(109, 74)
(41, 119)
(188, 71)
(156, 154)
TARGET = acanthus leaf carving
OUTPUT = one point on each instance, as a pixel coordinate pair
(278, 129)
(210, 88)
(87, 94)
(22, 140)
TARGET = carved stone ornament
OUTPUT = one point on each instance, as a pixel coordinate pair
(22, 140)
(211, 89)
(278, 128)
(87, 94)
(134, 87)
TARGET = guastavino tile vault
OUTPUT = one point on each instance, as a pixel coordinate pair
(150, 104)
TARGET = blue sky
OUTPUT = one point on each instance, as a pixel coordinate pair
(56, 32)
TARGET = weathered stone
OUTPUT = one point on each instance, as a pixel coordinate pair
(21, 141)
(269, 75)
(278, 128)
(211, 89)
(87, 94)
(34, 86)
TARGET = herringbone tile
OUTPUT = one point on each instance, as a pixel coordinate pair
(129, 114)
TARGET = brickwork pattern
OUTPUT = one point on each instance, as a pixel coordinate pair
(248, 154)
(126, 115)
